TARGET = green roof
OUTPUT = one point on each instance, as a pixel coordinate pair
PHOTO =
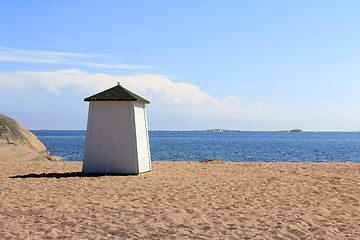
(117, 93)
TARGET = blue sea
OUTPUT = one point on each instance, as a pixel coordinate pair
(226, 146)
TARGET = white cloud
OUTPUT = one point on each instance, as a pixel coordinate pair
(48, 57)
(181, 100)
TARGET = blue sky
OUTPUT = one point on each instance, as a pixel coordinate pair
(248, 65)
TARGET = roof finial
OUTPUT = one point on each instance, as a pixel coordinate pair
(118, 83)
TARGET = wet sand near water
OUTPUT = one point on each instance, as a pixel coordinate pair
(181, 200)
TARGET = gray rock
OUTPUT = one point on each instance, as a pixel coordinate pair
(19, 144)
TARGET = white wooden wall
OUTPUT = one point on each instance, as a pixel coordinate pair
(111, 139)
(142, 137)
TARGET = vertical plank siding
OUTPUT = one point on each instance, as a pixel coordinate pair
(142, 138)
(112, 138)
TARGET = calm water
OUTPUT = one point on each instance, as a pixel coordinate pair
(226, 146)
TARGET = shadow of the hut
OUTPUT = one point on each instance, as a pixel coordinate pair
(65, 175)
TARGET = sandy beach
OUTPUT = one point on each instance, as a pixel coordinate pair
(181, 200)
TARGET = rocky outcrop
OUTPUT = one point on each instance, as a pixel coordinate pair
(213, 160)
(19, 144)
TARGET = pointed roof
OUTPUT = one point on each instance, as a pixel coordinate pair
(117, 93)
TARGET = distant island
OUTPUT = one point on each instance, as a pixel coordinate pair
(232, 130)
(197, 130)
(216, 130)
(292, 130)
(226, 130)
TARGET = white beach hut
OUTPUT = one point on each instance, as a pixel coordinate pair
(117, 139)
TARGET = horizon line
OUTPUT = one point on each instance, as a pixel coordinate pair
(210, 130)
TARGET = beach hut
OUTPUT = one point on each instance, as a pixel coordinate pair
(117, 140)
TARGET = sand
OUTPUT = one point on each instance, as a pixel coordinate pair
(181, 200)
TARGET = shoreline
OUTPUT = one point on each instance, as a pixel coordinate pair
(182, 200)
(222, 161)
